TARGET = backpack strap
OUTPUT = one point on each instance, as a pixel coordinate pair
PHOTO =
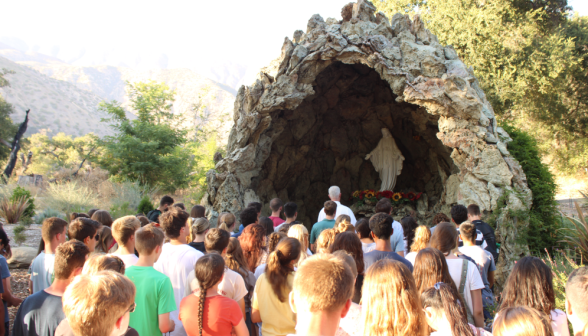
(462, 282)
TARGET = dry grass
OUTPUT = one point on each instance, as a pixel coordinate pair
(12, 211)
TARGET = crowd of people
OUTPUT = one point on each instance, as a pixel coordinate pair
(170, 272)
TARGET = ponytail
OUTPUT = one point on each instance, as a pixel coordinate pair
(226, 220)
(443, 297)
(209, 270)
(279, 266)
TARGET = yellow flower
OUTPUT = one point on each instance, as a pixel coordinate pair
(370, 194)
(396, 197)
(356, 193)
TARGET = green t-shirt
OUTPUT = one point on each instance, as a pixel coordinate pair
(155, 296)
(319, 227)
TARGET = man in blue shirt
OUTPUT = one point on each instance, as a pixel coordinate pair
(381, 226)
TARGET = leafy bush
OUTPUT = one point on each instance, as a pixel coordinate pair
(19, 236)
(131, 193)
(70, 197)
(12, 211)
(561, 264)
(47, 213)
(121, 210)
(20, 192)
(145, 205)
(543, 223)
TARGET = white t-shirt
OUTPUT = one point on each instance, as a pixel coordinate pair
(411, 256)
(128, 259)
(232, 286)
(341, 210)
(473, 278)
(397, 238)
(559, 323)
(42, 271)
(368, 247)
(177, 261)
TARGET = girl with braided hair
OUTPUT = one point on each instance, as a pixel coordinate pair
(445, 312)
(270, 297)
(216, 315)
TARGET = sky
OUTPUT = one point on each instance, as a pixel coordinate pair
(215, 38)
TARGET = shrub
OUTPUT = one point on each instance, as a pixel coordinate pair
(19, 192)
(543, 223)
(12, 211)
(131, 193)
(19, 236)
(70, 197)
(47, 213)
(145, 205)
(121, 210)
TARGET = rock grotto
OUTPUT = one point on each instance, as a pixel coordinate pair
(314, 113)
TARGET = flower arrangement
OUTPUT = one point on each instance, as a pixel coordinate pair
(370, 196)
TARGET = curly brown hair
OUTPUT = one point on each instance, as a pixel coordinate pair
(530, 284)
(440, 218)
(252, 244)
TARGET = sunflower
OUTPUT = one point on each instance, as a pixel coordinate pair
(356, 193)
(397, 197)
(370, 194)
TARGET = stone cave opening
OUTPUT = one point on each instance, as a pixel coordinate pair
(326, 138)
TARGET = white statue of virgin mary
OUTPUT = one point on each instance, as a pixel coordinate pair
(387, 159)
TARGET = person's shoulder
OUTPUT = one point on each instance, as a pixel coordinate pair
(230, 274)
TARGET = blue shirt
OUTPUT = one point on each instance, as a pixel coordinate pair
(4, 273)
(370, 258)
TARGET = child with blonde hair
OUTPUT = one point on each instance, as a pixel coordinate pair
(343, 223)
(522, 321)
(226, 221)
(390, 304)
(422, 237)
(300, 232)
(99, 304)
(325, 240)
(123, 230)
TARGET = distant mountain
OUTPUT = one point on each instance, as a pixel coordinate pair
(56, 106)
(108, 83)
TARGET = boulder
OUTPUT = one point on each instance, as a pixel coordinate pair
(22, 257)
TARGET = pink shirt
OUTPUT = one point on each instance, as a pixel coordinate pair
(277, 220)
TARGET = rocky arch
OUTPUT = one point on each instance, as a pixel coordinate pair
(426, 79)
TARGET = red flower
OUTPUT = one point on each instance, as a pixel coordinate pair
(387, 194)
(411, 196)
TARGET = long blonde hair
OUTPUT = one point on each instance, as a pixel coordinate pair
(391, 304)
(197, 226)
(226, 220)
(521, 321)
(300, 232)
(422, 236)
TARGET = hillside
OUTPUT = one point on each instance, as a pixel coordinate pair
(97, 83)
(56, 106)
(191, 88)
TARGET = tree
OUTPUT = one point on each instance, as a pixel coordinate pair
(152, 148)
(7, 127)
(530, 59)
(61, 151)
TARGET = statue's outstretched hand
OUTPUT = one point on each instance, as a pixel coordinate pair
(367, 157)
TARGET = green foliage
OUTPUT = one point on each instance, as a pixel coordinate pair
(8, 128)
(19, 193)
(47, 213)
(12, 210)
(61, 151)
(203, 153)
(70, 197)
(145, 205)
(118, 210)
(543, 223)
(19, 236)
(150, 149)
(562, 264)
(530, 58)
